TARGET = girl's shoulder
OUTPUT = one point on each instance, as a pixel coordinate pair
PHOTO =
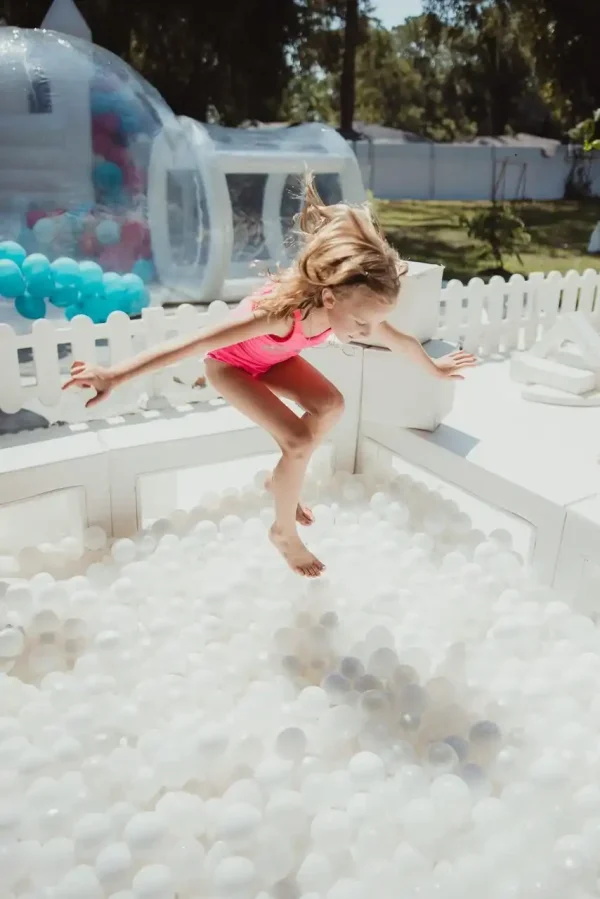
(279, 326)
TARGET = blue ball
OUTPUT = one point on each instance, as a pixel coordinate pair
(65, 295)
(9, 249)
(12, 282)
(144, 268)
(36, 264)
(95, 307)
(135, 294)
(72, 311)
(45, 230)
(131, 121)
(91, 277)
(66, 272)
(41, 285)
(101, 102)
(116, 295)
(108, 232)
(30, 307)
(107, 176)
(38, 275)
(110, 278)
(141, 303)
(134, 285)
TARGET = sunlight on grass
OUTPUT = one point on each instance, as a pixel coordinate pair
(430, 232)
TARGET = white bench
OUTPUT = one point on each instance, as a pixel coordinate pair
(578, 565)
(533, 461)
(51, 463)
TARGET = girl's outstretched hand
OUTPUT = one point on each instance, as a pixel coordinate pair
(86, 376)
(450, 366)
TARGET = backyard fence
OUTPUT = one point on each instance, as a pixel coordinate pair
(430, 171)
(486, 319)
(502, 316)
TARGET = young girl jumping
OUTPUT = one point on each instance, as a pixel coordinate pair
(344, 283)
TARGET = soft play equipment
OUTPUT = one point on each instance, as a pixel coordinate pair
(77, 126)
(95, 167)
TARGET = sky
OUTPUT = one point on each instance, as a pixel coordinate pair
(394, 12)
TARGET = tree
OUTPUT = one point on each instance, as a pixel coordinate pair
(561, 36)
(347, 81)
(233, 57)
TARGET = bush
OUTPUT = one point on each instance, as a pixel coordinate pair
(500, 229)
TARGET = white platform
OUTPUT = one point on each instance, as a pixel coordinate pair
(533, 460)
(578, 566)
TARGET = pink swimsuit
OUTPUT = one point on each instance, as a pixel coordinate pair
(258, 354)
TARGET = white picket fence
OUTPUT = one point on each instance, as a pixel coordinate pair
(486, 319)
(502, 316)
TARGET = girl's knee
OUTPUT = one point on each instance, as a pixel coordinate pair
(334, 405)
(298, 441)
(330, 408)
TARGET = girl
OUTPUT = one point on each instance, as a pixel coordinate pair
(344, 283)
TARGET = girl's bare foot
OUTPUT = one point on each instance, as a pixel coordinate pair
(304, 515)
(293, 550)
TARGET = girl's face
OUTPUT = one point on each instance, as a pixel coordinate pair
(356, 314)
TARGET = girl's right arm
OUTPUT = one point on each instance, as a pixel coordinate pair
(103, 380)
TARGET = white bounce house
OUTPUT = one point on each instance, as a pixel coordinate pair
(45, 133)
(94, 165)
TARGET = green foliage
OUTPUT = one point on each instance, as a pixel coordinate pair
(466, 67)
(585, 133)
(500, 229)
(560, 37)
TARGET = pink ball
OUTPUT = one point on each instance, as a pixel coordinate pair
(108, 122)
(102, 144)
(117, 258)
(33, 216)
(118, 155)
(133, 235)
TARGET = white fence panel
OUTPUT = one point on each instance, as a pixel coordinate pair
(430, 171)
(486, 319)
(507, 315)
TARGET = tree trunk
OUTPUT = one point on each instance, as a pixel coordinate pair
(347, 86)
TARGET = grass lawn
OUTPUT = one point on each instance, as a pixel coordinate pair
(429, 231)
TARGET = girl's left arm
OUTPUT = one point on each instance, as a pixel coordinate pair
(446, 367)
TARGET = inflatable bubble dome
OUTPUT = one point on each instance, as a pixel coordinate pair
(78, 131)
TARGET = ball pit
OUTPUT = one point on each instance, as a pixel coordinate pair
(188, 718)
(78, 288)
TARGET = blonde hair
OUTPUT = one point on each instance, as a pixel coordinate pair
(343, 247)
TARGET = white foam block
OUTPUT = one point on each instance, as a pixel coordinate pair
(528, 369)
(400, 392)
(537, 393)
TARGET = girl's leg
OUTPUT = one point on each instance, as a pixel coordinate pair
(299, 381)
(296, 439)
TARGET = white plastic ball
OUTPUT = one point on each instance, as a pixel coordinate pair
(94, 538)
(366, 769)
(12, 642)
(112, 863)
(237, 822)
(153, 882)
(234, 876)
(291, 744)
(123, 551)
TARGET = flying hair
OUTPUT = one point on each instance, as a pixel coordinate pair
(342, 246)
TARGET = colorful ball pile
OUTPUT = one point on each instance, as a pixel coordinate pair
(118, 240)
(80, 288)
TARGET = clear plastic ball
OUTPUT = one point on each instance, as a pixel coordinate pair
(291, 744)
